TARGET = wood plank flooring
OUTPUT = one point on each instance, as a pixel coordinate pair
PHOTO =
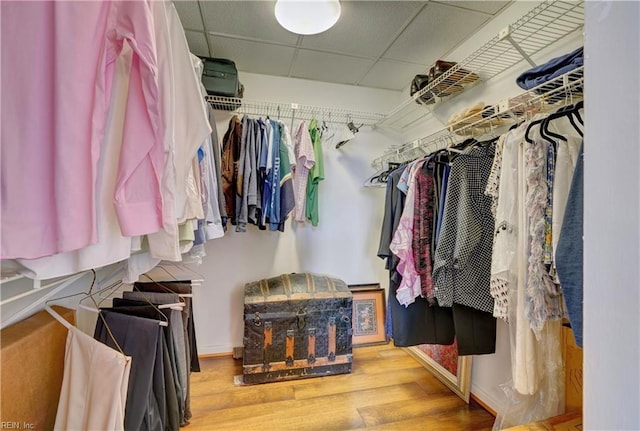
(387, 390)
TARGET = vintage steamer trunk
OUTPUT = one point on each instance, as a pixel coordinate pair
(296, 326)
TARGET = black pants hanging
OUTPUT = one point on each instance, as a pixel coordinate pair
(183, 288)
(419, 323)
(475, 331)
(179, 336)
(142, 339)
(174, 410)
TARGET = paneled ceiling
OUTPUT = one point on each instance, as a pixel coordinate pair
(380, 44)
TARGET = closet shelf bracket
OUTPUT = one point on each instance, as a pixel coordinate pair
(505, 33)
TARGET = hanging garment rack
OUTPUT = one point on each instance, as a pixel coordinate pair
(294, 111)
(542, 26)
(494, 119)
(52, 288)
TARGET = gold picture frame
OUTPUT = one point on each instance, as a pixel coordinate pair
(457, 378)
(368, 315)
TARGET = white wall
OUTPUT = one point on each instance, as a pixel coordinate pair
(612, 217)
(344, 244)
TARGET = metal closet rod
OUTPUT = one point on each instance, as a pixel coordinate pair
(293, 110)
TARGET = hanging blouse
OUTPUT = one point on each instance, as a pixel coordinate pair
(502, 207)
(423, 227)
(401, 245)
(462, 265)
(544, 297)
(305, 159)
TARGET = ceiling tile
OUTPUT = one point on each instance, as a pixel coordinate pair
(254, 57)
(436, 30)
(323, 66)
(189, 13)
(391, 75)
(365, 28)
(486, 6)
(252, 19)
(197, 43)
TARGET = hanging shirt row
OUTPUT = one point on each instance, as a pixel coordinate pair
(121, 151)
(267, 173)
(475, 226)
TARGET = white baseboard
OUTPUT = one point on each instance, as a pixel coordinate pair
(490, 400)
(215, 349)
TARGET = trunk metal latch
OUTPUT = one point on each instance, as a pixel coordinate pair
(301, 318)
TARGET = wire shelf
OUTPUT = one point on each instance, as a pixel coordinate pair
(542, 26)
(494, 119)
(293, 111)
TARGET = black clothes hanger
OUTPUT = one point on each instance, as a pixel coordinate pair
(382, 177)
(570, 112)
(577, 107)
(515, 126)
(547, 134)
(489, 142)
(532, 124)
(465, 144)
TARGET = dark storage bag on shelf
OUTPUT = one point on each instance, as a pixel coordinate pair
(296, 326)
(220, 78)
(418, 83)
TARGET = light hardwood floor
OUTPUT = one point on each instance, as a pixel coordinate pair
(387, 390)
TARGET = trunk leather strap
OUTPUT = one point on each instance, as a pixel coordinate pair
(289, 344)
(332, 339)
(311, 346)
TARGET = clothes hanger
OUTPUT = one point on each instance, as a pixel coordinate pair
(568, 111)
(383, 176)
(165, 288)
(531, 124)
(110, 289)
(55, 314)
(176, 305)
(462, 147)
(68, 325)
(183, 267)
(575, 111)
(577, 107)
(164, 320)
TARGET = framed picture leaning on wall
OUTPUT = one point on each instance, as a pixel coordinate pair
(368, 314)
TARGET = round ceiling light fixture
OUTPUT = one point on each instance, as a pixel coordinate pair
(307, 16)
